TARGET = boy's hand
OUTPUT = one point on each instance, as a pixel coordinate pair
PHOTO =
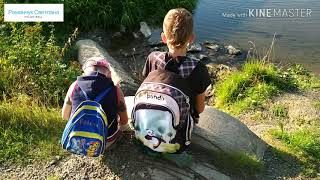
(125, 128)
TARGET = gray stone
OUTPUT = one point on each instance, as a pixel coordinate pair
(232, 50)
(203, 57)
(88, 48)
(194, 48)
(214, 47)
(208, 171)
(122, 28)
(219, 131)
(145, 29)
(135, 35)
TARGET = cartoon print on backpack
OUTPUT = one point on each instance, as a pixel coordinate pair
(93, 146)
(158, 133)
(77, 145)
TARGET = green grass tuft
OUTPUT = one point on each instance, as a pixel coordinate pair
(280, 111)
(250, 87)
(303, 78)
(256, 82)
(317, 105)
(28, 130)
(305, 145)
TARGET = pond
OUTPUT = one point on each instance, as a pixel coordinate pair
(296, 24)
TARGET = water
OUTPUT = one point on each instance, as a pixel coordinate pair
(297, 38)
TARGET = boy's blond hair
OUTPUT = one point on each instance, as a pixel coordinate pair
(178, 27)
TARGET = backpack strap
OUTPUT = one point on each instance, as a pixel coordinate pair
(103, 94)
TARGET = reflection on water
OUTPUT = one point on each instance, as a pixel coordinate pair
(297, 39)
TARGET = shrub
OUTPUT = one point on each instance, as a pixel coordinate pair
(112, 13)
(30, 63)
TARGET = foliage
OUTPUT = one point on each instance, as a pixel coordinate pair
(112, 13)
(280, 111)
(302, 77)
(28, 130)
(305, 144)
(30, 63)
(250, 87)
(257, 82)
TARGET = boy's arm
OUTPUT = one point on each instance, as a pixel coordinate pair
(67, 105)
(200, 80)
(200, 102)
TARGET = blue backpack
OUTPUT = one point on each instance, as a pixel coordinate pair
(87, 129)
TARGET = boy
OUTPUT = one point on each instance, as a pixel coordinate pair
(96, 79)
(177, 34)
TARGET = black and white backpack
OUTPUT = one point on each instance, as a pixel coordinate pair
(161, 114)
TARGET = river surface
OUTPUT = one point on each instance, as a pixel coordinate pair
(296, 24)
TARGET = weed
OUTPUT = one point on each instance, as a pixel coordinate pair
(317, 105)
(28, 130)
(250, 87)
(280, 111)
(30, 63)
(305, 145)
(303, 78)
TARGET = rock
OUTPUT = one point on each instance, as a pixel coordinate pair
(135, 35)
(218, 71)
(141, 174)
(116, 34)
(54, 161)
(145, 30)
(219, 131)
(203, 57)
(232, 50)
(194, 48)
(158, 43)
(88, 48)
(122, 28)
(192, 56)
(208, 171)
(214, 47)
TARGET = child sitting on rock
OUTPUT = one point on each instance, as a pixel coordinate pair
(96, 79)
(178, 34)
(171, 97)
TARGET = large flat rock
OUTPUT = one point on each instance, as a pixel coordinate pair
(88, 48)
(219, 131)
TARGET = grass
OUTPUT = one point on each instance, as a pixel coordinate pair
(256, 82)
(28, 131)
(239, 164)
(250, 87)
(317, 105)
(303, 144)
(280, 111)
